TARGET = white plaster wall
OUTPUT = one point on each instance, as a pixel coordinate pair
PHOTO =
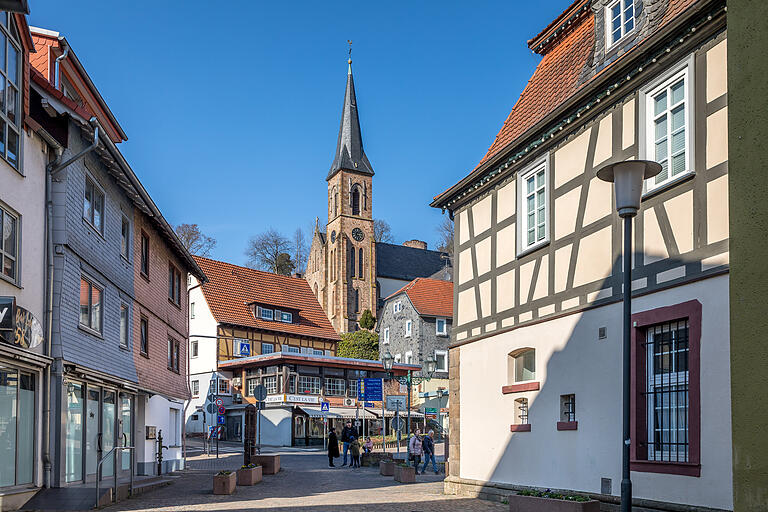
(276, 426)
(571, 359)
(24, 195)
(201, 367)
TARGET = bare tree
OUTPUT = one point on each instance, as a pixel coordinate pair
(270, 251)
(195, 241)
(300, 250)
(382, 232)
(445, 235)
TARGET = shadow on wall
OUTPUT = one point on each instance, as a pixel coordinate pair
(586, 368)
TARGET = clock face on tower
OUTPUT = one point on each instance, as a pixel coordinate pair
(333, 236)
(357, 234)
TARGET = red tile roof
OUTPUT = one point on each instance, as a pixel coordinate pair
(230, 288)
(558, 75)
(430, 297)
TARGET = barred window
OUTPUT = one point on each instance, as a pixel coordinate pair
(521, 404)
(334, 387)
(666, 348)
(309, 385)
(271, 384)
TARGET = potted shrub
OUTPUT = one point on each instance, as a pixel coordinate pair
(405, 474)
(270, 464)
(249, 474)
(548, 500)
(387, 467)
(224, 482)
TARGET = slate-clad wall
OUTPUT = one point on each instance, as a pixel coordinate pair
(81, 249)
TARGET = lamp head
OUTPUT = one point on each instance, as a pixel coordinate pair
(387, 360)
(431, 365)
(627, 178)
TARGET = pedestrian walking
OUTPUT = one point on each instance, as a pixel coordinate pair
(333, 447)
(354, 449)
(415, 449)
(346, 437)
(428, 447)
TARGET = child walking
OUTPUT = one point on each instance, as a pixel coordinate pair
(354, 447)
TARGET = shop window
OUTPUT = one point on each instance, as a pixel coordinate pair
(73, 449)
(309, 385)
(17, 414)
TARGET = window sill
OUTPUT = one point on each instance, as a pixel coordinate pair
(533, 248)
(520, 428)
(144, 354)
(90, 331)
(174, 303)
(520, 388)
(11, 281)
(125, 347)
(670, 184)
(567, 425)
(94, 228)
(670, 468)
(145, 276)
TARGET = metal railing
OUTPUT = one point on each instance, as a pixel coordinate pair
(113, 452)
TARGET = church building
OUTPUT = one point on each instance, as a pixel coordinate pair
(347, 269)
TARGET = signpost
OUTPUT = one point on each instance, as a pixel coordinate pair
(260, 394)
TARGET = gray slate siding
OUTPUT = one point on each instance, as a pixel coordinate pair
(423, 340)
(80, 249)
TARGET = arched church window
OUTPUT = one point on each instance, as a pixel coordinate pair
(355, 200)
(360, 263)
(335, 199)
(357, 300)
(352, 261)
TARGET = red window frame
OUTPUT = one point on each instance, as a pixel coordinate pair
(690, 310)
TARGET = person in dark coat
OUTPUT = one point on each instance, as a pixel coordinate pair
(347, 433)
(333, 447)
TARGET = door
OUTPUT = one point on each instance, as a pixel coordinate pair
(125, 430)
(108, 430)
(93, 446)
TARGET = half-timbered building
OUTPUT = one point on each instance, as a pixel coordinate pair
(535, 358)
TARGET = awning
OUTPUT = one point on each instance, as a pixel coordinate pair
(337, 412)
(390, 414)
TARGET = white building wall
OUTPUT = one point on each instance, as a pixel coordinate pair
(156, 411)
(571, 359)
(202, 367)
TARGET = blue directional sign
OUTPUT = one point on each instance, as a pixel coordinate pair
(368, 404)
(325, 407)
(221, 420)
(369, 390)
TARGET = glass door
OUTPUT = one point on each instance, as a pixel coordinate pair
(126, 428)
(74, 442)
(93, 446)
(108, 430)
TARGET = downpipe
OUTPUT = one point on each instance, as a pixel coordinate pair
(53, 169)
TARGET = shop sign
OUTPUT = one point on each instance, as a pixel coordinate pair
(18, 326)
(273, 399)
(302, 399)
(431, 416)
(7, 318)
(430, 410)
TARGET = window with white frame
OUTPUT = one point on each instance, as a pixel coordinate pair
(441, 327)
(9, 244)
(386, 335)
(193, 348)
(309, 385)
(397, 307)
(408, 328)
(267, 348)
(250, 385)
(124, 321)
(174, 426)
(525, 365)
(408, 357)
(195, 388)
(398, 357)
(334, 387)
(352, 388)
(441, 360)
(270, 382)
(317, 352)
(192, 310)
(10, 76)
(533, 208)
(668, 128)
(619, 20)
(266, 314)
(286, 317)
(291, 349)
(93, 205)
(90, 304)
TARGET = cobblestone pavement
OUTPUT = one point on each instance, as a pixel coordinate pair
(305, 483)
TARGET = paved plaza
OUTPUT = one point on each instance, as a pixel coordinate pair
(305, 483)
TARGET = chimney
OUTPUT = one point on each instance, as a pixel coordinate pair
(297, 274)
(416, 244)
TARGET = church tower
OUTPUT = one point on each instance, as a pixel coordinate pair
(350, 249)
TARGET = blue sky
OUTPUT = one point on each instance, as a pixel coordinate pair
(232, 114)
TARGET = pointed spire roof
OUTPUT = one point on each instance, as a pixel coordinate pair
(349, 148)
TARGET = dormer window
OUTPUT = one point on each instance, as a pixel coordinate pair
(286, 317)
(266, 314)
(619, 20)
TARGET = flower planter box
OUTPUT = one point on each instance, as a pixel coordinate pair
(270, 464)
(405, 474)
(387, 468)
(249, 476)
(519, 503)
(224, 484)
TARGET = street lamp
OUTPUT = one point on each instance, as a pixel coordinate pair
(627, 178)
(387, 361)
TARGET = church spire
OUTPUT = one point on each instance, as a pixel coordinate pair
(349, 147)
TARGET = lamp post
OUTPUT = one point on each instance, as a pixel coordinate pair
(627, 178)
(408, 380)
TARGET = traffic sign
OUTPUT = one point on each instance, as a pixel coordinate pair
(211, 408)
(393, 401)
(219, 402)
(398, 423)
(325, 407)
(357, 423)
(222, 410)
(220, 420)
(260, 392)
(368, 404)
(430, 410)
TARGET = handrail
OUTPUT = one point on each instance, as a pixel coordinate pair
(114, 451)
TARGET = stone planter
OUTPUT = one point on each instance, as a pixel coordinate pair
(374, 458)
(249, 476)
(270, 464)
(519, 503)
(405, 474)
(224, 484)
(387, 468)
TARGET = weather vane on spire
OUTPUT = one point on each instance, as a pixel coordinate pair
(349, 41)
